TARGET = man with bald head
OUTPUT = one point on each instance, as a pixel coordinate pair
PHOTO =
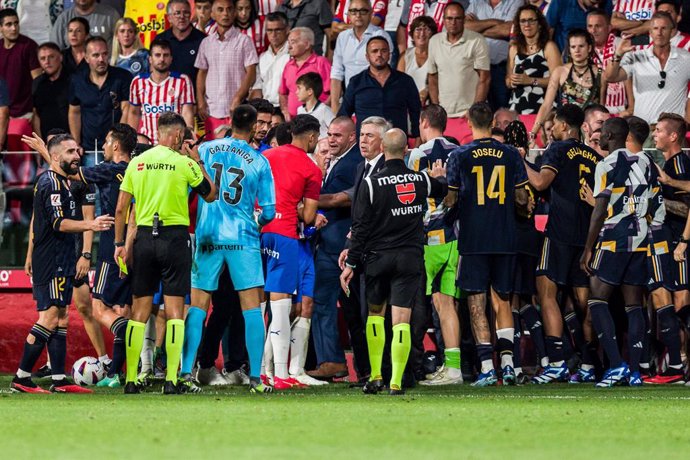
(388, 230)
(340, 174)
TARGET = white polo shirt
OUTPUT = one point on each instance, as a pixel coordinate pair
(270, 71)
(645, 70)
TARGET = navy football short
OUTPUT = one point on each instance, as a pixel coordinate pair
(79, 282)
(618, 268)
(307, 272)
(478, 272)
(56, 293)
(524, 280)
(158, 298)
(561, 264)
(109, 288)
(662, 272)
(393, 275)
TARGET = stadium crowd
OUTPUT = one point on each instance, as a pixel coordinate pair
(272, 176)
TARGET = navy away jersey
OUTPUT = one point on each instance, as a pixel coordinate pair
(485, 175)
(107, 176)
(573, 163)
(54, 254)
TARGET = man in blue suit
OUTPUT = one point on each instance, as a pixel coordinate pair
(340, 176)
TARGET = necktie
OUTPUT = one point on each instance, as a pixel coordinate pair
(367, 168)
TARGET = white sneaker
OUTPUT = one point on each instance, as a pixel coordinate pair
(236, 377)
(443, 378)
(433, 375)
(210, 376)
(308, 380)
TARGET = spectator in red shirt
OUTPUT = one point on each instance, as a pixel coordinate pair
(18, 64)
(303, 59)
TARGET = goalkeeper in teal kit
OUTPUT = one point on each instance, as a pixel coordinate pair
(227, 233)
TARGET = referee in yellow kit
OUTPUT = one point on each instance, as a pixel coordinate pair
(158, 182)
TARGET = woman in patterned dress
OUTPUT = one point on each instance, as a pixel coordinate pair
(532, 58)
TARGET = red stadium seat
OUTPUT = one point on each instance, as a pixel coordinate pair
(457, 127)
(19, 172)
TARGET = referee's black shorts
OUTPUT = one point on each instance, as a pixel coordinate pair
(166, 258)
(393, 275)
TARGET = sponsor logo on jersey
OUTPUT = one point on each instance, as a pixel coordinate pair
(406, 193)
(162, 166)
(140, 167)
(150, 108)
(641, 15)
(407, 210)
(400, 179)
(55, 200)
(220, 247)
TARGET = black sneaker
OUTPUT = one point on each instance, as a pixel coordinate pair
(43, 372)
(372, 387)
(169, 388)
(394, 391)
(131, 388)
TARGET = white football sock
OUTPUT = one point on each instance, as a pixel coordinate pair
(298, 345)
(149, 344)
(507, 333)
(267, 361)
(279, 333)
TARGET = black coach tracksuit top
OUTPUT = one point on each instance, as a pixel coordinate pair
(389, 210)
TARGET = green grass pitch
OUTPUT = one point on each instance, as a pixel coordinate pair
(334, 422)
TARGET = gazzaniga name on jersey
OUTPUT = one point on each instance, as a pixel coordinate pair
(225, 148)
(400, 178)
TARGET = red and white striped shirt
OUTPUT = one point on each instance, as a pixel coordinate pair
(635, 10)
(155, 98)
(257, 33)
(267, 6)
(615, 92)
(421, 8)
(379, 8)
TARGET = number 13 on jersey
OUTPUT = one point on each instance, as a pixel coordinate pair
(234, 195)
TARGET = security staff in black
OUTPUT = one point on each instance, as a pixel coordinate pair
(388, 230)
(158, 181)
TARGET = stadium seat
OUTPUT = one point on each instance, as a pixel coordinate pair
(458, 128)
(19, 172)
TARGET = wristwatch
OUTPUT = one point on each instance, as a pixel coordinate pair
(120, 244)
(86, 255)
(684, 240)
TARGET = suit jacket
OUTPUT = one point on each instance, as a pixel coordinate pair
(355, 189)
(342, 177)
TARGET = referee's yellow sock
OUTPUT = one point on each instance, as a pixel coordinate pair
(134, 342)
(174, 339)
(376, 340)
(400, 350)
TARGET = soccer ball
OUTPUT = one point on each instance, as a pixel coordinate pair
(87, 371)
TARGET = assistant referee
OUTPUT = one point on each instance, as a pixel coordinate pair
(158, 182)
